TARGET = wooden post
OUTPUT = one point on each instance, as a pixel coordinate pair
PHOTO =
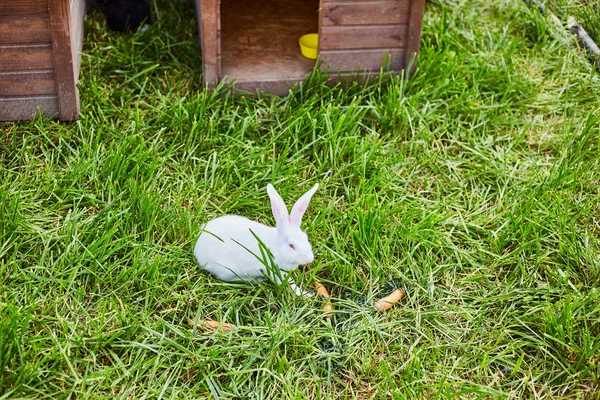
(417, 8)
(60, 31)
(210, 38)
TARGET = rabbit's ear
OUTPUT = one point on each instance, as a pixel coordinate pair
(301, 206)
(280, 211)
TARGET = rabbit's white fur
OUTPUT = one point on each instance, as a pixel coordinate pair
(228, 249)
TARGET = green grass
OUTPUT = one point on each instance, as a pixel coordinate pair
(475, 183)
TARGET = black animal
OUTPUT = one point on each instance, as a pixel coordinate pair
(126, 15)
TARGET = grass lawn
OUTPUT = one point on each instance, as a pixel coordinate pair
(475, 183)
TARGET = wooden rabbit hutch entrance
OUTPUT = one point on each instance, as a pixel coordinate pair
(254, 43)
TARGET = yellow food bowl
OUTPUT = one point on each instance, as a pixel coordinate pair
(309, 45)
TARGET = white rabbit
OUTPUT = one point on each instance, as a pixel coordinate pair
(228, 247)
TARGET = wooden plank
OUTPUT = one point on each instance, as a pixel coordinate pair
(60, 30)
(347, 79)
(278, 87)
(417, 8)
(210, 39)
(22, 108)
(26, 57)
(281, 87)
(24, 30)
(365, 13)
(363, 1)
(78, 8)
(24, 83)
(354, 60)
(320, 18)
(10, 8)
(362, 37)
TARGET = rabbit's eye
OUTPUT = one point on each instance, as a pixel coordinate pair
(292, 247)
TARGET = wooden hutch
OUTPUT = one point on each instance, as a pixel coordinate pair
(254, 43)
(40, 42)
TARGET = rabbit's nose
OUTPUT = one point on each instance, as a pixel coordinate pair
(310, 258)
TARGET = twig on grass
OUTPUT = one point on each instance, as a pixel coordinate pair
(585, 40)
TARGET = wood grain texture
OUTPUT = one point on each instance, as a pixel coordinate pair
(26, 57)
(24, 30)
(278, 87)
(355, 60)
(210, 39)
(368, 13)
(23, 83)
(345, 79)
(60, 31)
(282, 88)
(417, 8)
(22, 108)
(10, 8)
(259, 40)
(362, 37)
(254, 43)
(363, 1)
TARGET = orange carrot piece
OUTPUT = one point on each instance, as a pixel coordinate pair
(388, 301)
(212, 325)
(321, 291)
(328, 307)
